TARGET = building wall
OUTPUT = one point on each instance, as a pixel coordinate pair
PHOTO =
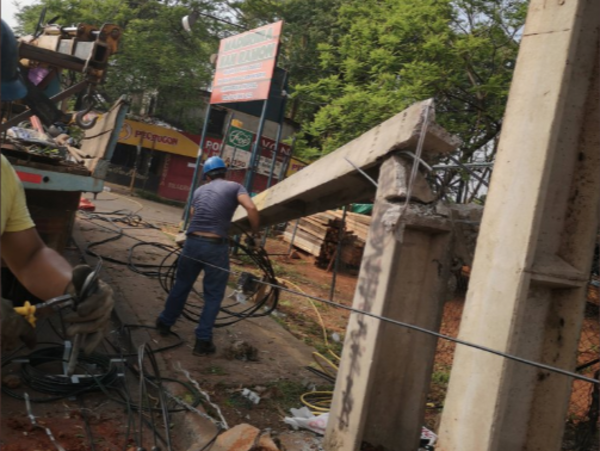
(166, 163)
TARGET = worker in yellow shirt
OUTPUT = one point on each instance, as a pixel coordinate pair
(41, 270)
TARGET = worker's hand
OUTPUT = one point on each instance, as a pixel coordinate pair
(92, 314)
(252, 242)
(15, 328)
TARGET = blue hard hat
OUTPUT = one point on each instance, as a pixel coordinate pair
(10, 77)
(213, 164)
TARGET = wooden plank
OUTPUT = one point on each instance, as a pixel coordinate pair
(332, 182)
(302, 243)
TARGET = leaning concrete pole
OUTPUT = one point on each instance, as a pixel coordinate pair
(382, 384)
(534, 251)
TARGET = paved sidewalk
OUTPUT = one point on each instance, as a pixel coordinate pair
(140, 299)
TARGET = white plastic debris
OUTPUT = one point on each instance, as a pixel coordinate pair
(252, 396)
(303, 418)
(426, 434)
(241, 297)
(28, 135)
(335, 337)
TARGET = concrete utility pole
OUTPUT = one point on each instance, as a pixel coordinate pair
(532, 263)
(384, 376)
(385, 371)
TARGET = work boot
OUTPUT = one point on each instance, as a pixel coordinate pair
(162, 328)
(204, 347)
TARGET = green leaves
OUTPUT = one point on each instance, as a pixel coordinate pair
(156, 58)
(396, 52)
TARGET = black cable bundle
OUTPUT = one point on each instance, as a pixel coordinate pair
(96, 367)
(166, 270)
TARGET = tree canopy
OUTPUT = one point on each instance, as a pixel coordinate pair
(355, 63)
(352, 63)
(396, 52)
(156, 55)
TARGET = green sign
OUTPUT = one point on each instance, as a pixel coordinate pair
(239, 138)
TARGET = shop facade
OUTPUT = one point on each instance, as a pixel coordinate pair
(161, 161)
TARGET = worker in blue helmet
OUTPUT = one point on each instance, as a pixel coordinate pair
(43, 272)
(214, 164)
(207, 249)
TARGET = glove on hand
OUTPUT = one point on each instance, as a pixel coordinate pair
(252, 241)
(15, 327)
(92, 314)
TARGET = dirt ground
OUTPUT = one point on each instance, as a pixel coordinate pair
(285, 341)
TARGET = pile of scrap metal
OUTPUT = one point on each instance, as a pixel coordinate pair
(58, 63)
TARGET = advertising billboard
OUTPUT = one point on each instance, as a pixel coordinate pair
(245, 65)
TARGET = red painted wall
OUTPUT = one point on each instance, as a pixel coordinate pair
(178, 172)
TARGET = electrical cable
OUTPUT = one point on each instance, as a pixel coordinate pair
(317, 401)
(328, 370)
(145, 350)
(166, 272)
(418, 329)
(86, 422)
(59, 386)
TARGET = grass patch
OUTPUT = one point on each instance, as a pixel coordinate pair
(286, 393)
(441, 377)
(237, 401)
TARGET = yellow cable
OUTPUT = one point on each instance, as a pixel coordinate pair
(323, 404)
(314, 307)
(317, 355)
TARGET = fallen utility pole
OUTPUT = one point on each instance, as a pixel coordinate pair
(385, 371)
(331, 182)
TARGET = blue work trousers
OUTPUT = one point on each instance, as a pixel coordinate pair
(199, 250)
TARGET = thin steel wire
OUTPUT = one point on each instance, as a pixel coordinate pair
(401, 323)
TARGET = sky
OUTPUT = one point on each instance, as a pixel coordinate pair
(9, 9)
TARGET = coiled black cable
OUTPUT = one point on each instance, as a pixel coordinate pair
(166, 270)
(60, 386)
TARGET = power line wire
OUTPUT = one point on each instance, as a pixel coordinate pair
(401, 323)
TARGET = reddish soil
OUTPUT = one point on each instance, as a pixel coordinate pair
(18, 434)
(279, 374)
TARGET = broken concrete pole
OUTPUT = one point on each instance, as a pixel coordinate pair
(528, 285)
(384, 376)
(332, 182)
(466, 220)
(395, 189)
(243, 437)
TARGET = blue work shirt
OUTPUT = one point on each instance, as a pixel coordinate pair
(214, 205)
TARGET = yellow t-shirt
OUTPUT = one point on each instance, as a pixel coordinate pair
(14, 215)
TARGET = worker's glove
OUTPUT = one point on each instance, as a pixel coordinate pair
(14, 328)
(252, 242)
(92, 314)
